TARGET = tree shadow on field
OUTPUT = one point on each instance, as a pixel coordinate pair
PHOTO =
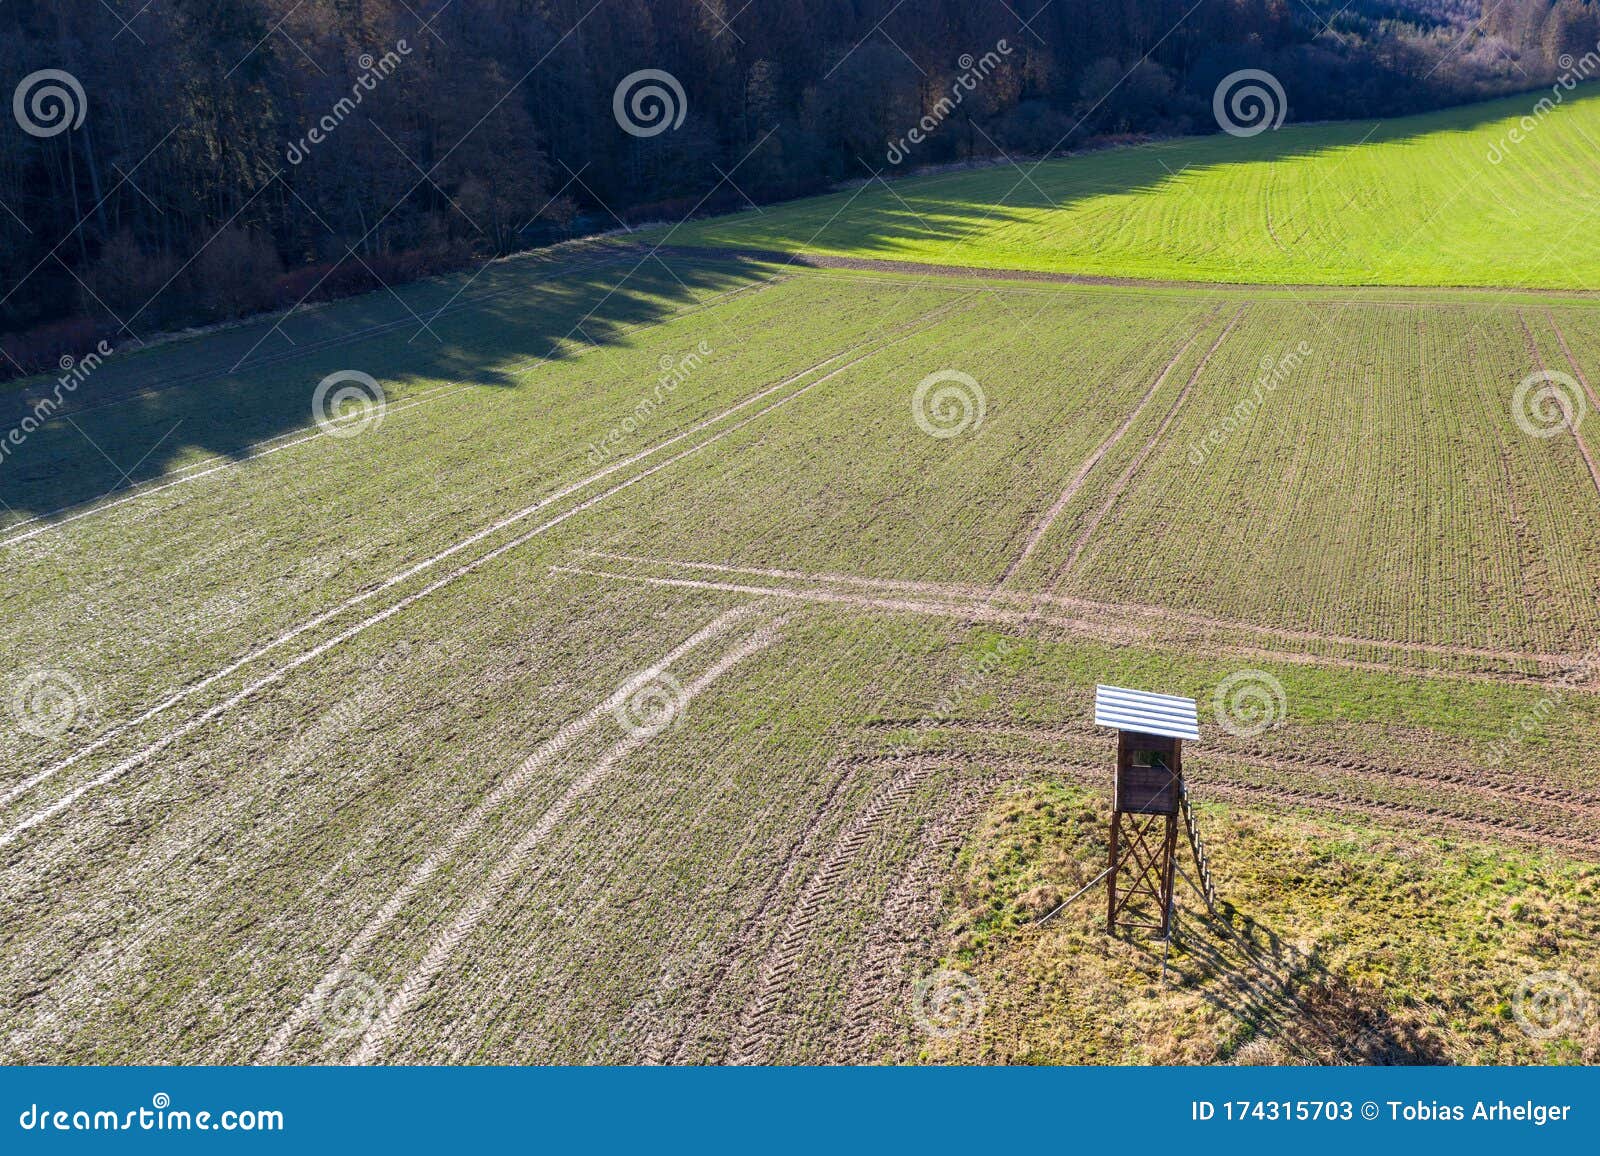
(134, 417)
(137, 415)
(1296, 1009)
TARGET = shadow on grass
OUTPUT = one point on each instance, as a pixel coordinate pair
(222, 395)
(1292, 1002)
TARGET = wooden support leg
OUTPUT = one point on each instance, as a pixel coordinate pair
(1169, 857)
(1111, 878)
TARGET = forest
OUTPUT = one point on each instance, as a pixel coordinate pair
(173, 163)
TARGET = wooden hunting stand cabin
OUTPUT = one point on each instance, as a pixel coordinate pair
(1148, 795)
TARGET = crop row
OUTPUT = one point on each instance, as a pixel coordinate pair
(1380, 489)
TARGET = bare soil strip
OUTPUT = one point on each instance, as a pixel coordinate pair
(1220, 785)
(735, 255)
(1516, 797)
(518, 860)
(1499, 782)
(1122, 482)
(138, 759)
(1222, 776)
(1542, 807)
(1100, 451)
(1109, 621)
(1224, 783)
(1429, 818)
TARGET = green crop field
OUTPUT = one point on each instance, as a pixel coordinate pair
(1448, 198)
(687, 657)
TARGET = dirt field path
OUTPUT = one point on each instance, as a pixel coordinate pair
(1106, 621)
(829, 261)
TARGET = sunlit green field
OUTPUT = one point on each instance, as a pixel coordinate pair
(1412, 201)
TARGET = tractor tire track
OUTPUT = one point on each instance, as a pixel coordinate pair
(1099, 628)
(249, 691)
(1538, 358)
(1577, 370)
(508, 788)
(1100, 451)
(1106, 610)
(1222, 783)
(1127, 476)
(748, 936)
(906, 920)
(518, 859)
(757, 1030)
(1462, 776)
(1430, 818)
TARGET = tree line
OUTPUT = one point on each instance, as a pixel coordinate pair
(181, 162)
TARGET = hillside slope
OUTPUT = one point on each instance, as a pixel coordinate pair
(1443, 199)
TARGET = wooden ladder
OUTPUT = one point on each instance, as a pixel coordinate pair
(1207, 889)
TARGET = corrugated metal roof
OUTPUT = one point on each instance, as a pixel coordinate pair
(1146, 712)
